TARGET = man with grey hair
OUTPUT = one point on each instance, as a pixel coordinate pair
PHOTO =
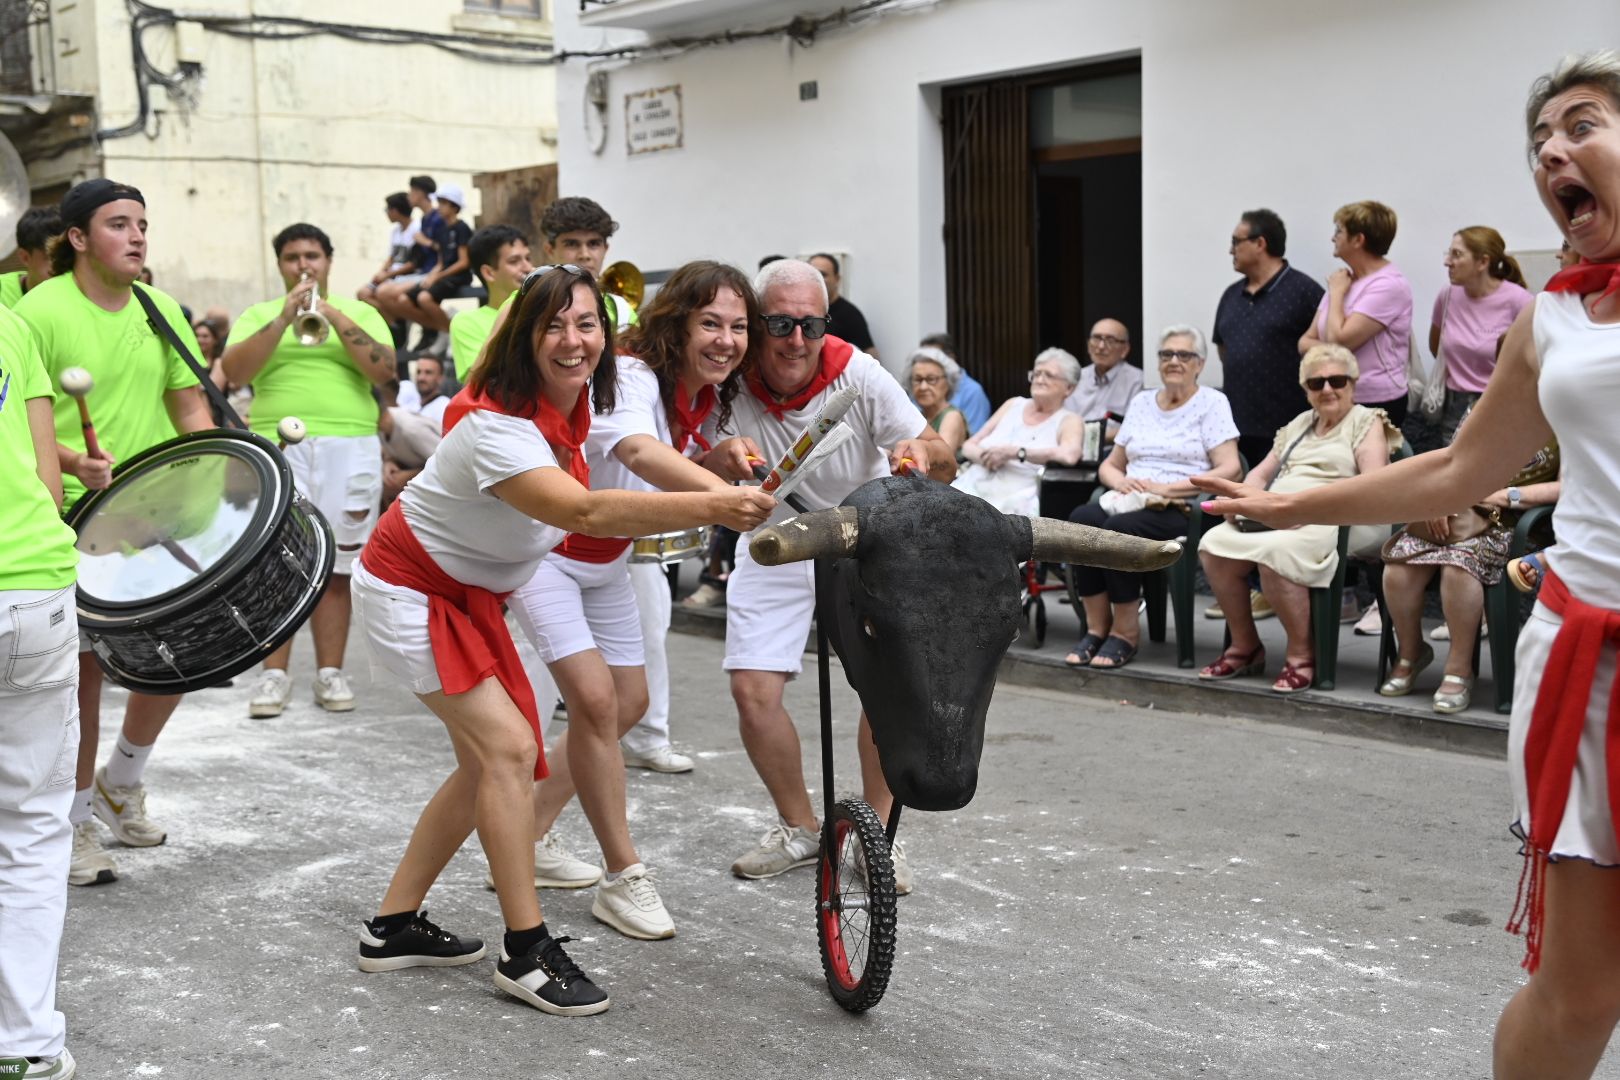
(1108, 383)
(769, 608)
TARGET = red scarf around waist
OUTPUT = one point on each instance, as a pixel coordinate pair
(1587, 277)
(689, 417)
(835, 357)
(465, 626)
(564, 434)
(1552, 745)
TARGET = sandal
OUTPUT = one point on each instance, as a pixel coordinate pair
(1232, 664)
(1295, 677)
(1117, 651)
(1401, 685)
(1084, 651)
(1454, 703)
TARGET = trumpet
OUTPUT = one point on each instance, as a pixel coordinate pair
(308, 322)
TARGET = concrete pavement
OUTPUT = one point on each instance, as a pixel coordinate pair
(1134, 892)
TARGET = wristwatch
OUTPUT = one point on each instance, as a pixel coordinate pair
(1022, 454)
(1515, 497)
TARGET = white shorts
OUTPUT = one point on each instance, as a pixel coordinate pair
(570, 606)
(769, 610)
(394, 622)
(39, 683)
(342, 476)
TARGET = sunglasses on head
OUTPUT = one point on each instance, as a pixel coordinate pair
(814, 326)
(541, 271)
(1338, 382)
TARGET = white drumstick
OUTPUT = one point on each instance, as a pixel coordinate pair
(77, 384)
(290, 431)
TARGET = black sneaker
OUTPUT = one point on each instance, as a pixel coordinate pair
(546, 978)
(420, 944)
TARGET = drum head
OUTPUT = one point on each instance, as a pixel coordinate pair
(175, 517)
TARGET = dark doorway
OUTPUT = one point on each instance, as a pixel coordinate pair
(1088, 248)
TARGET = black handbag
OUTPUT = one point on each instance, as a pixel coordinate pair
(1250, 525)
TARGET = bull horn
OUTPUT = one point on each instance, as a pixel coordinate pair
(1067, 542)
(820, 534)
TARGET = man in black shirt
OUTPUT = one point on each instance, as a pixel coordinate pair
(1258, 324)
(847, 320)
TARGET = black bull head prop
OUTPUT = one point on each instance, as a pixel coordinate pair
(920, 597)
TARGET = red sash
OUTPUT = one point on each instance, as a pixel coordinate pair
(565, 434)
(689, 417)
(1587, 277)
(465, 626)
(835, 357)
(1552, 745)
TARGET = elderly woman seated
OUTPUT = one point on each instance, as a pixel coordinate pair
(1334, 439)
(1023, 435)
(1170, 434)
(932, 378)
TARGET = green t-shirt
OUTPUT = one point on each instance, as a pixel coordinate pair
(11, 289)
(319, 384)
(39, 552)
(132, 365)
(468, 332)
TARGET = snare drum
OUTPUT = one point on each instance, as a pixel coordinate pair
(670, 547)
(197, 561)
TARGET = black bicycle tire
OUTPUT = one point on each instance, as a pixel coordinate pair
(856, 992)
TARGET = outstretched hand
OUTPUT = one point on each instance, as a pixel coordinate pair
(1232, 498)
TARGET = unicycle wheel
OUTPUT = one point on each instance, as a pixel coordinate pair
(855, 906)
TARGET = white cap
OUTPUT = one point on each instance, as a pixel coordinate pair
(453, 193)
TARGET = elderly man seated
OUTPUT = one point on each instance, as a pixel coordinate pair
(1109, 384)
(1025, 434)
(411, 431)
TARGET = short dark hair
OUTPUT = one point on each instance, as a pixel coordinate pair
(484, 249)
(399, 203)
(576, 214)
(1266, 225)
(830, 258)
(767, 260)
(302, 230)
(423, 184)
(36, 226)
(941, 341)
(430, 356)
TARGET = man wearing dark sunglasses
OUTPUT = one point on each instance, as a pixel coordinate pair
(769, 608)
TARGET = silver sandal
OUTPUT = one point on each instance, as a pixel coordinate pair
(1454, 703)
(1401, 685)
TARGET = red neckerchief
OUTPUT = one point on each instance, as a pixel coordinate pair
(564, 434)
(466, 628)
(835, 356)
(1587, 277)
(1552, 745)
(689, 417)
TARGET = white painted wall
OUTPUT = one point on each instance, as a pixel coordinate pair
(317, 129)
(1298, 106)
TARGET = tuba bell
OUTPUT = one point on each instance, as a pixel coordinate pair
(625, 279)
(308, 322)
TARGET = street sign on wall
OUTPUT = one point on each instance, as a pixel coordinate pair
(652, 120)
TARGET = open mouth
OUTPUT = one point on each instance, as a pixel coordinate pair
(569, 362)
(1579, 204)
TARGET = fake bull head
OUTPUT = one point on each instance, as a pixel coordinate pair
(920, 597)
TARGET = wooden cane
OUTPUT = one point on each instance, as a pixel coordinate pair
(77, 384)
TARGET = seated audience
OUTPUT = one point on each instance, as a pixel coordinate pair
(1170, 434)
(1026, 433)
(931, 376)
(410, 433)
(1335, 438)
(499, 255)
(402, 236)
(423, 302)
(969, 396)
(1109, 384)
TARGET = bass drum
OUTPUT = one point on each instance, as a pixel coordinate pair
(197, 561)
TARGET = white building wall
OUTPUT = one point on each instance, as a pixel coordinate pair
(1298, 106)
(316, 129)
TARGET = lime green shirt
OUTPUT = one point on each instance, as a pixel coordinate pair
(468, 332)
(11, 288)
(132, 365)
(319, 384)
(38, 548)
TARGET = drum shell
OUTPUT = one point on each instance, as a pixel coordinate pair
(670, 547)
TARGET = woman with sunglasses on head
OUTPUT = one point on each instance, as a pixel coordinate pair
(1170, 434)
(1026, 434)
(587, 611)
(1333, 439)
(504, 487)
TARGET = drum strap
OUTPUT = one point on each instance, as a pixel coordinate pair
(161, 325)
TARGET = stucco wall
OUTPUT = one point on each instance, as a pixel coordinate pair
(1299, 106)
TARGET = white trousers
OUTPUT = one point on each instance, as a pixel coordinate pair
(653, 603)
(39, 728)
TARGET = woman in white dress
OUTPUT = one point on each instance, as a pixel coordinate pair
(1007, 454)
(1559, 374)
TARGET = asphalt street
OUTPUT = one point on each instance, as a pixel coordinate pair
(1133, 893)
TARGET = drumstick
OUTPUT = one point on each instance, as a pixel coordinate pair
(290, 432)
(77, 384)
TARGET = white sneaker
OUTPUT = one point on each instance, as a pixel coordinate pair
(61, 1067)
(270, 695)
(91, 864)
(631, 906)
(555, 867)
(705, 595)
(782, 848)
(1371, 624)
(897, 856)
(332, 691)
(123, 810)
(659, 759)
(1443, 632)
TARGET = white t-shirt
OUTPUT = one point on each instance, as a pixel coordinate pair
(400, 240)
(473, 536)
(639, 410)
(433, 410)
(881, 417)
(1170, 446)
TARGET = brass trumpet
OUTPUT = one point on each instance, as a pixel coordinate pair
(625, 279)
(308, 322)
